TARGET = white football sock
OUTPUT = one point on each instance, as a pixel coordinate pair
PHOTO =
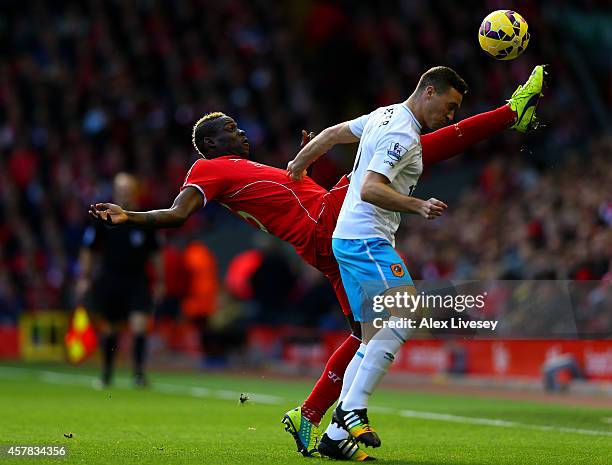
(380, 353)
(334, 431)
(351, 371)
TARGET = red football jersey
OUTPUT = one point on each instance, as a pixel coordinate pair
(262, 195)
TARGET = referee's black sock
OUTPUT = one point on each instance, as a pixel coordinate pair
(140, 348)
(109, 348)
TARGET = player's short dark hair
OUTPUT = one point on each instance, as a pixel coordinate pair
(203, 128)
(442, 78)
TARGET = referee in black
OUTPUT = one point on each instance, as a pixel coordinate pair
(113, 280)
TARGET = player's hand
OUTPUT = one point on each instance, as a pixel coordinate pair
(295, 169)
(306, 137)
(108, 213)
(432, 208)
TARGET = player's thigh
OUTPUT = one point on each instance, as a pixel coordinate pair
(389, 264)
(390, 292)
(332, 273)
(362, 275)
(348, 255)
(397, 297)
(328, 265)
(349, 293)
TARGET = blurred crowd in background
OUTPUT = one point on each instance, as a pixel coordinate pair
(89, 89)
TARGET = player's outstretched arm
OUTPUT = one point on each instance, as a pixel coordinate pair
(377, 191)
(187, 202)
(322, 142)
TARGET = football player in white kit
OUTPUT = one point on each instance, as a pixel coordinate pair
(387, 168)
(386, 171)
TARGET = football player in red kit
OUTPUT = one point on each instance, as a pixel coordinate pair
(300, 212)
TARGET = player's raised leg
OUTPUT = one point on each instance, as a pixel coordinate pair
(518, 114)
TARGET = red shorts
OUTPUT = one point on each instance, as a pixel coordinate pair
(318, 252)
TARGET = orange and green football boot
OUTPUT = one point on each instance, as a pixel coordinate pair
(357, 424)
(343, 449)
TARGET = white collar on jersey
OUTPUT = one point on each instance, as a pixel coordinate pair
(416, 121)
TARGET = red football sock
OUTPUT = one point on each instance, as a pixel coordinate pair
(327, 390)
(452, 140)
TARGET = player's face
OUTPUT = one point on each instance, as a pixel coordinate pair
(230, 139)
(441, 108)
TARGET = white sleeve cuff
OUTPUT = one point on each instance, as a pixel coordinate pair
(198, 188)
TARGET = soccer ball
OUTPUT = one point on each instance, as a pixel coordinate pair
(503, 35)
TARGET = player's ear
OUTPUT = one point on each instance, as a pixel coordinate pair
(429, 91)
(210, 143)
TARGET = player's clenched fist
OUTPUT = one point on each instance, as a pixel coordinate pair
(432, 208)
(296, 170)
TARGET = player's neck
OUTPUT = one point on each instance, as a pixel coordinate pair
(414, 105)
(212, 156)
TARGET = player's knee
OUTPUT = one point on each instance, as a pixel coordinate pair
(355, 327)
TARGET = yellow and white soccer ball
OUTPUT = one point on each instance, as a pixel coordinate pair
(503, 34)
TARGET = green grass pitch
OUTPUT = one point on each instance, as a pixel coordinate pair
(198, 419)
